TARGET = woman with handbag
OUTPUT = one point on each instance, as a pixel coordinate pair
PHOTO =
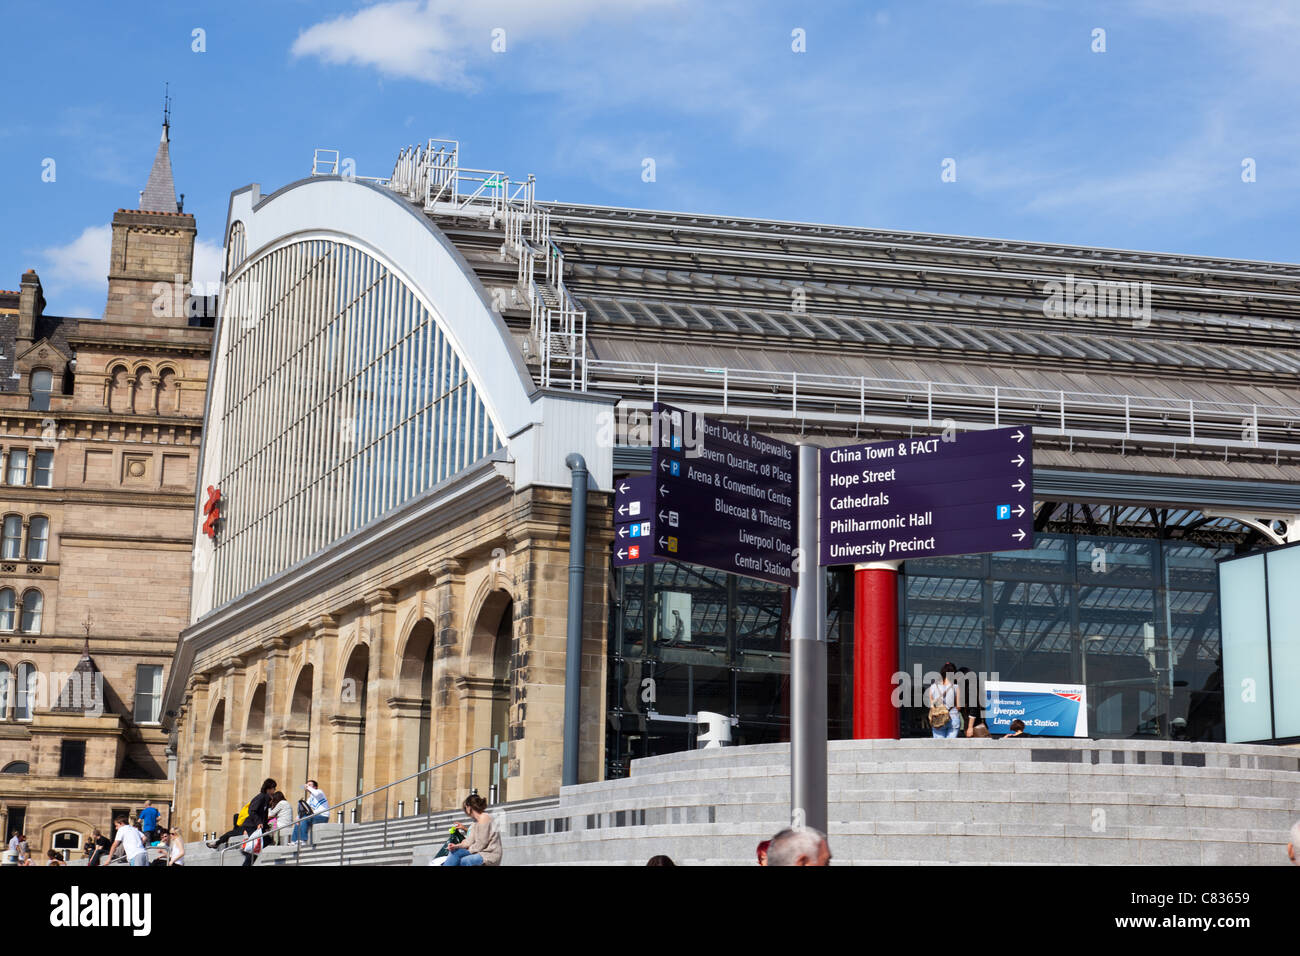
(945, 703)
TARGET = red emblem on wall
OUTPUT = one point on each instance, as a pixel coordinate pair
(212, 508)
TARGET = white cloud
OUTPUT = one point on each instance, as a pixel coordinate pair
(78, 270)
(431, 40)
(207, 263)
(83, 261)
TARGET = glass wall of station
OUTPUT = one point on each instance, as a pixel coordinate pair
(1135, 619)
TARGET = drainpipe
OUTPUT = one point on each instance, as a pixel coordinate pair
(573, 646)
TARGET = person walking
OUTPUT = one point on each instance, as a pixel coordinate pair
(484, 846)
(131, 841)
(255, 823)
(318, 812)
(148, 818)
(945, 703)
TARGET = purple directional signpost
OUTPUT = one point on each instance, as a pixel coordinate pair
(725, 497)
(634, 522)
(920, 497)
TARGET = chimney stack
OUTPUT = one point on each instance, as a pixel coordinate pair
(31, 305)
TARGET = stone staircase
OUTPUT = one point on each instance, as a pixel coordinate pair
(924, 802)
(908, 802)
(406, 842)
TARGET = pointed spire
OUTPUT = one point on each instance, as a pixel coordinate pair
(160, 192)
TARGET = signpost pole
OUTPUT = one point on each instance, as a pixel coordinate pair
(875, 650)
(808, 732)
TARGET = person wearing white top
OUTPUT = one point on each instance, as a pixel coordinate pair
(132, 841)
(319, 806)
(175, 847)
(280, 816)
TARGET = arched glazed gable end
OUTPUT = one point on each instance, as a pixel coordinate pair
(391, 230)
(357, 349)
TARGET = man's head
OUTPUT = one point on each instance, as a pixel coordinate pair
(313, 784)
(1293, 847)
(799, 847)
(148, 804)
(119, 823)
(1017, 726)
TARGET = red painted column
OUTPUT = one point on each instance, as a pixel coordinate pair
(875, 650)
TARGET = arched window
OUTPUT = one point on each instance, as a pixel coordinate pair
(142, 400)
(7, 600)
(4, 689)
(33, 603)
(118, 399)
(26, 692)
(12, 547)
(38, 536)
(66, 843)
(42, 385)
(168, 392)
(18, 766)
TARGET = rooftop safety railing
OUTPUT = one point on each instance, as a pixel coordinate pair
(432, 176)
(853, 400)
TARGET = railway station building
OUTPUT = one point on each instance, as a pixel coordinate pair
(409, 371)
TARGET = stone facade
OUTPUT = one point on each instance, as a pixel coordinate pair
(405, 657)
(100, 426)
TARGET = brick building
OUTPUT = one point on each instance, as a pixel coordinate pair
(100, 423)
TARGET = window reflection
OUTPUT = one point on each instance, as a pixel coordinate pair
(1136, 620)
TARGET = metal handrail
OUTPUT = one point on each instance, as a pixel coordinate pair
(434, 175)
(1194, 422)
(221, 854)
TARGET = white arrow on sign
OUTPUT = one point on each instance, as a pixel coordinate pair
(1020, 511)
(1018, 485)
(663, 516)
(622, 509)
(663, 464)
(662, 542)
(663, 489)
(1019, 535)
(622, 531)
(621, 553)
(1018, 460)
(623, 487)
(1019, 436)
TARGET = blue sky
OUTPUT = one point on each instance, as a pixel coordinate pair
(1139, 147)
